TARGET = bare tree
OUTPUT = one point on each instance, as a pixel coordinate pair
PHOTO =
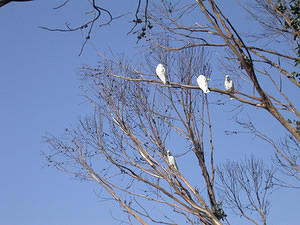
(123, 145)
(246, 186)
(131, 129)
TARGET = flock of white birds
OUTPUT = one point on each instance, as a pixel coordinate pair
(203, 84)
(201, 80)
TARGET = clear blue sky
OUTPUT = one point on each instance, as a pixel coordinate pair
(39, 93)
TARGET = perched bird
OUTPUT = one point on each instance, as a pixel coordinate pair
(4, 2)
(203, 83)
(228, 84)
(161, 73)
(171, 160)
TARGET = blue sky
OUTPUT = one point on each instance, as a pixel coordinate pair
(39, 93)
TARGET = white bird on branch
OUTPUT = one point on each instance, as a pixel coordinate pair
(171, 161)
(4, 2)
(203, 83)
(228, 84)
(161, 73)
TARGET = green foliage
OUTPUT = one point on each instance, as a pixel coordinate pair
(295, 123)
(292, 11)
(281, 6)
(296, 75)
(219, 213)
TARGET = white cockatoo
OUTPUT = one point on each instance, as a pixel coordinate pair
(161, 73)
(203, 83)
(228, 84)
(171, 160)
